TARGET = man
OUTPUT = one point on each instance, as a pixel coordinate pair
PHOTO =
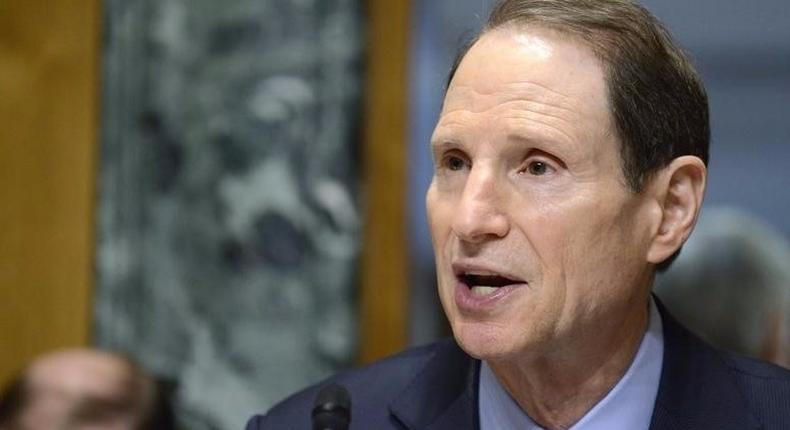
(740, 263)
(570, 160)
(80, 389)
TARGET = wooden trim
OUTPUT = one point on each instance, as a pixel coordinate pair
(49, 80)
(384, 282)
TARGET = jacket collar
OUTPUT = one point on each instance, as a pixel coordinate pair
(697, 388)
(444, 394)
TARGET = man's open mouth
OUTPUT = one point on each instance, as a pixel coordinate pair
(483, 284)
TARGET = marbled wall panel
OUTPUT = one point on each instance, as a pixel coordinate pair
(228, 218)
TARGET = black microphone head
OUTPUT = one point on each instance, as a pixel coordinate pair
(332, 408)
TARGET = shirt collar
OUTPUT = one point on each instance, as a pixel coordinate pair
(629, 405)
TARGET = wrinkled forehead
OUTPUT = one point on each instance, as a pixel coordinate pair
(530, 63)
(515, 53)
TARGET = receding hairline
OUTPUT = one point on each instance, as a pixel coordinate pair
(603, 52)
(574, 38)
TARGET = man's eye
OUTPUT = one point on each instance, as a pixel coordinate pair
(538, 168)
(455, 163)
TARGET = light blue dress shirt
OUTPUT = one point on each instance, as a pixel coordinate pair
(628, 406)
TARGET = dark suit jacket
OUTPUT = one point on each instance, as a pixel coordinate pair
(435, 387)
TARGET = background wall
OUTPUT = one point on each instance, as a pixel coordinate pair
(230, 209)
(48, 128)
(229, 217)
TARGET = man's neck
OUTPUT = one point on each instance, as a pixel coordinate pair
(557, 390)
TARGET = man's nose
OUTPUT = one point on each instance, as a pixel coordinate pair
(479, 215)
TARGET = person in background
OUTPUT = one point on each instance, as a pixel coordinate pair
(731, 285)
(81, 389)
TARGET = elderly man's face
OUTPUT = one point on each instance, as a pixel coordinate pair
(539, 242)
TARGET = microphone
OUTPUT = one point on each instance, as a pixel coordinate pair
(332, 408)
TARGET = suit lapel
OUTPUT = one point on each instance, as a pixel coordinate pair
(697, 389)
(443, 396)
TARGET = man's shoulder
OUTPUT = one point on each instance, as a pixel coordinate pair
(756, 370)
(765, 386)
(704, 387)
(372, 389)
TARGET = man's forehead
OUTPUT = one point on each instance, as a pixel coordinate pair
(532, 62)
(77, 370)
(533, 83)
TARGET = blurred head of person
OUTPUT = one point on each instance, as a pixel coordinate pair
(731, 285)
(83, 389)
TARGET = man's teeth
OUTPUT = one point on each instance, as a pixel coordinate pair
(482, 291)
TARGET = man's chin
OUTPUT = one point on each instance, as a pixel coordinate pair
(485, 342)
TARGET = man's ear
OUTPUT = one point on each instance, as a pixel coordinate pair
(679, 189)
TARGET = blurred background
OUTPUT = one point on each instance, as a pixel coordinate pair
(231, 193)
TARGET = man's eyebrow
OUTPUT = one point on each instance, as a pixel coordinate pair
(549, 136)
(441, 144)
